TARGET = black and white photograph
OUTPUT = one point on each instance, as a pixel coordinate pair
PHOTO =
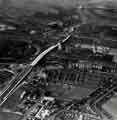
(58, 59)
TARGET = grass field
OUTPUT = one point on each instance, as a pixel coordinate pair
(111, 107)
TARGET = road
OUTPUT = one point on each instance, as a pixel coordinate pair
(11, 88)
(97, 96)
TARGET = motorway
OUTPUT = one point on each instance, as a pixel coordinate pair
(11, 88)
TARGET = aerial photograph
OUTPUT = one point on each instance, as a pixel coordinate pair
(58, 59)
